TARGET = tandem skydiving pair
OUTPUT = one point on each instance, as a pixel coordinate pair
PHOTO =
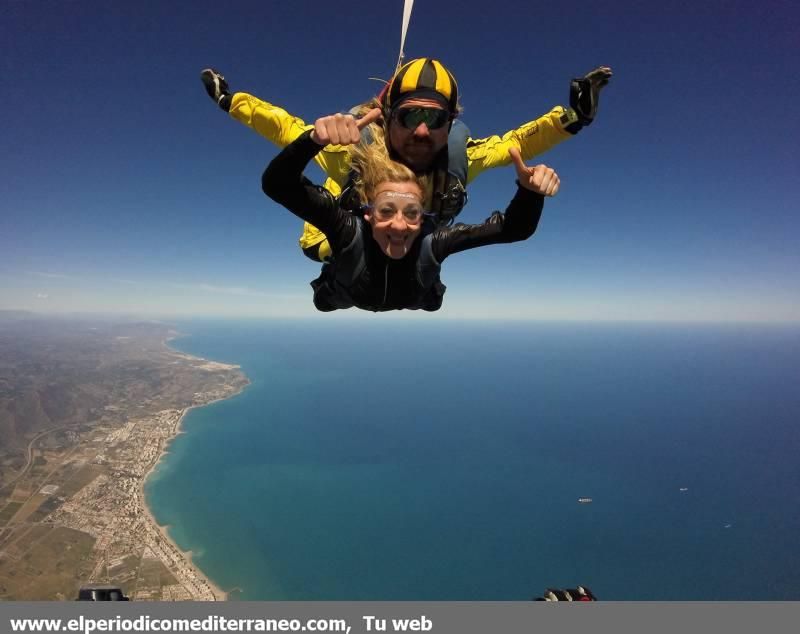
(397, 170)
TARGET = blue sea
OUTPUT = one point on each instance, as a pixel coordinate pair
(431, 460)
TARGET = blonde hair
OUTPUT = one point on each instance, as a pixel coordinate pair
(372, 165)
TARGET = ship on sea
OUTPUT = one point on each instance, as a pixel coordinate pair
(584, 500)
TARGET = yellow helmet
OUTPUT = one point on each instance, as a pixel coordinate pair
(423, 78)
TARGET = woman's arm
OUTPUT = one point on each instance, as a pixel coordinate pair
(283, 181)
(519, 221)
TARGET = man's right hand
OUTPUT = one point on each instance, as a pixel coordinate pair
(342, 129)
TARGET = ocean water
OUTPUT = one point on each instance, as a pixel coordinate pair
(391, 460)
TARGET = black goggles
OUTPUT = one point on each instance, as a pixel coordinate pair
(411, 118)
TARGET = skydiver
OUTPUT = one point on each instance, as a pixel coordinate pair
(389, 255)
(419, 108)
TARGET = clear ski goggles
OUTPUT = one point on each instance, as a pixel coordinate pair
(394, 203)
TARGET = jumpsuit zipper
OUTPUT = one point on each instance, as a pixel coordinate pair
(385, 284)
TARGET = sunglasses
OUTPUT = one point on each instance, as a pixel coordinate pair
(411, 118)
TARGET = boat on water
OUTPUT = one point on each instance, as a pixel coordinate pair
(584, 500)
(684, 489)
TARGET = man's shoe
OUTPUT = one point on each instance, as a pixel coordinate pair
(217, 88)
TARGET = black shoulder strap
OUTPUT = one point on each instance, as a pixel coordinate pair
(450, 181)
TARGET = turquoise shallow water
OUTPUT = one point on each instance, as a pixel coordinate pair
(392, 460)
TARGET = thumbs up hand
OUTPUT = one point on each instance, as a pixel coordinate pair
(540, 178)
(342, 129)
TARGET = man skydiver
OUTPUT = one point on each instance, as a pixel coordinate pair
(420, 109)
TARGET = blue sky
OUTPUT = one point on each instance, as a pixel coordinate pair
(125, 190)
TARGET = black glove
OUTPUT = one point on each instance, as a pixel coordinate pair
(217, 88)
(584, 93)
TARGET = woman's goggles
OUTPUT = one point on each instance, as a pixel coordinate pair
(411, 118)
(412, 215)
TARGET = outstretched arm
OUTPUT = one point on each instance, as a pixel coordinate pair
(283, 180)
(273, 123)
(281, 128)
(584, 94)
(519, 222)
(542, 134)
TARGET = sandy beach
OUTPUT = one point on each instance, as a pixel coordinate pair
(218, 593)
(200, 579)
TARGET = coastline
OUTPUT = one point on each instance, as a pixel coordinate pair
(216, 592)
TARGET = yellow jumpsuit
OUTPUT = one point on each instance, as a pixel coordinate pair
(281, 128)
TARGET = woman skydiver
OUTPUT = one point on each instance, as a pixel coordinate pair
(388, 255)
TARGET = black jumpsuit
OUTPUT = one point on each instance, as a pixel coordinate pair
(386, 283)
